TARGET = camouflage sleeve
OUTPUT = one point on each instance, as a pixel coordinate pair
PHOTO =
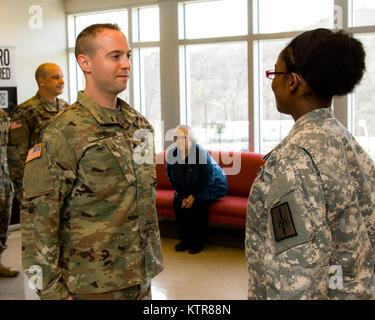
(367, 203)
(299, 230)
(19, 139)
(6, 199)
(254, 242)
(47, 181)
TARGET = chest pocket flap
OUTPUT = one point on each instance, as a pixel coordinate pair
(113, 141)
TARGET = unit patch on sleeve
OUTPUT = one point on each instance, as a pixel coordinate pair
(34, 152)
(282, 220)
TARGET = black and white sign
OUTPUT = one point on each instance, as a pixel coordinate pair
(8, 84)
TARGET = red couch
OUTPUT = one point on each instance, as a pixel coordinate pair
(241, 169)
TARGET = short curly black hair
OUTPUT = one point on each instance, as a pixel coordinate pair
(331, 63)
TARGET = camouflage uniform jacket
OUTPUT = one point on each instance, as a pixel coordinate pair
(6, 187)
(28, 121)
(311, 212)
(88, 216)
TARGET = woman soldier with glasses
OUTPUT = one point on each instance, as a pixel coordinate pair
(310, 230)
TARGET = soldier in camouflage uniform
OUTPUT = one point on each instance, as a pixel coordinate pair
(31, 117)
(6, 192)
(88, 216)
(310, 230)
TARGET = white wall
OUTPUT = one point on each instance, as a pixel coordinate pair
(34, 47)
(92, 5)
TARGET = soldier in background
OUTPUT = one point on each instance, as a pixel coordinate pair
(6, 192)
(30, 118)
(88, 216)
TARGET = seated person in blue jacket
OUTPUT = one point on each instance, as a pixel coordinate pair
(198, 181)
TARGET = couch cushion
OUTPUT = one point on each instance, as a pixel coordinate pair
(241, 168)
(164, 198)
(162, 181)
(229, 210)
(164, 203)
(229, 206)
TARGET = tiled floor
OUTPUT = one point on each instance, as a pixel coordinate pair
(217, 273)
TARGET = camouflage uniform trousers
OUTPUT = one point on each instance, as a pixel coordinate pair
(6, 186)
(138, 292)
(6, 199)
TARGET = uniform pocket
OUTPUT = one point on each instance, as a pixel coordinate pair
(304, 284)
(102, 170)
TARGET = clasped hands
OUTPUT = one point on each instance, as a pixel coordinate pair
(188, 202)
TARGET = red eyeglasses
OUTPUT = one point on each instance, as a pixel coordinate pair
(270, 74)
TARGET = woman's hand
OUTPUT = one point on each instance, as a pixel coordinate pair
(188, 202)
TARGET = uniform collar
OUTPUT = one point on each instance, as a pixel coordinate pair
(313, 115)
(104, 115)
(49, 106)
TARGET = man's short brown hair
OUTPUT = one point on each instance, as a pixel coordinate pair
(84, 43)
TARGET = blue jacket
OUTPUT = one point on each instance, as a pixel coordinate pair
(201, 176)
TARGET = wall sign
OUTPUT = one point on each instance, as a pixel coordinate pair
(8, 84)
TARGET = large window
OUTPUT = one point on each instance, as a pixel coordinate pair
(290, 15)
(363, 12)
(214, 77)
(146, 24)
(274, 125)
(361, 120)
(363, 111)
(283, 18)
(146, 67)
(218, 52)
(216, 89)
(207, 19)
(146, 63)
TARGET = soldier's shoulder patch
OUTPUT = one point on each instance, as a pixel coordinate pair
(15, 124)
(35, 152)
(282, 221)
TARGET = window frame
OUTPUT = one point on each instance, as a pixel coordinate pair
(171, 78)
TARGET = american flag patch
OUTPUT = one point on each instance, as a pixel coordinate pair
(15, 124)
(34, 152)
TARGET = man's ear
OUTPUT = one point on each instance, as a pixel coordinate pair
(40, 81)
(84, 62)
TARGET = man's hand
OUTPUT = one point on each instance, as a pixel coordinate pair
(188, 202)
